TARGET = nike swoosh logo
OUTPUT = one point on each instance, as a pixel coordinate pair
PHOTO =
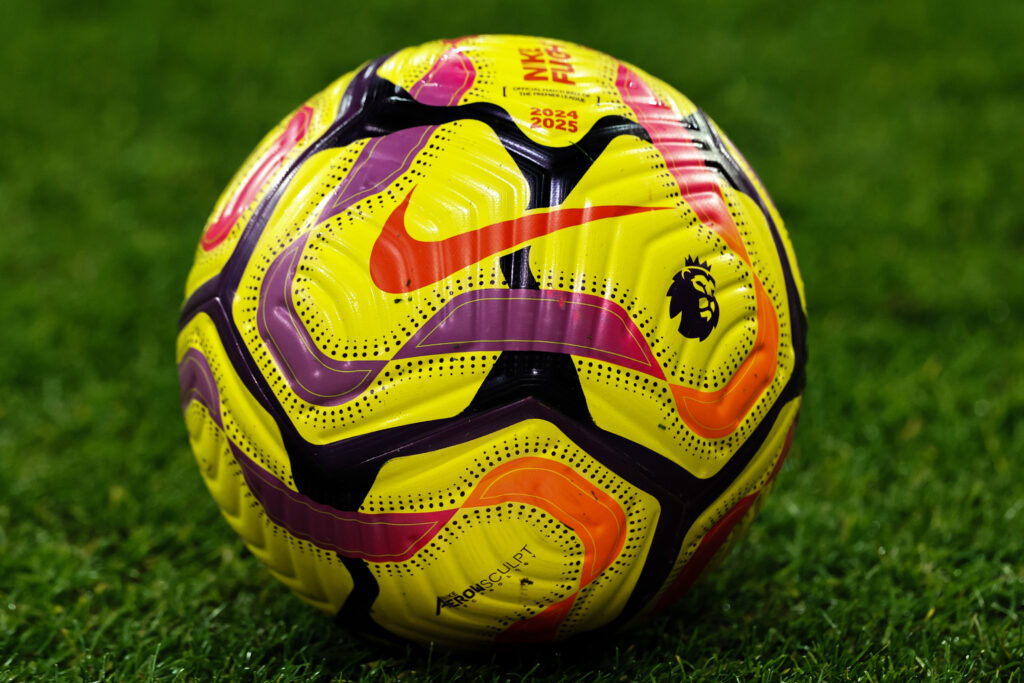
(401, 263)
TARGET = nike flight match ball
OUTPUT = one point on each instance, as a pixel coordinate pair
(494, 340)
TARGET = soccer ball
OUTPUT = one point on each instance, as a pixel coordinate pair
(494, 340)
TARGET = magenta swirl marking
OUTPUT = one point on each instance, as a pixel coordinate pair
(448, 79)
(272, 158)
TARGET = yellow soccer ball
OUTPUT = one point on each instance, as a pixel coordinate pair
(494, 340)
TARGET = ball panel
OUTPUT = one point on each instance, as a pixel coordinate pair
(227, 427)
(538, 523)
(744, 498)
(293, 277)
(632, 260)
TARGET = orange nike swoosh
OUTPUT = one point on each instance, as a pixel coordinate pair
(401, 263)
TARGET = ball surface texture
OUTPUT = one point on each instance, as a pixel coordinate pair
(494, 340)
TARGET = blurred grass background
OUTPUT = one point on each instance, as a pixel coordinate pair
(889, 135)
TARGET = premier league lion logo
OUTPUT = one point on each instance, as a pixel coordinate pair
(693, 299)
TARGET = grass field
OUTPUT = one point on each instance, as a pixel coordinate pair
(889, 135)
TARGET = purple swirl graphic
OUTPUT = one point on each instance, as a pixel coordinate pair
(535, 320)
(384, 159)
(196, 382)
(482, 320)
(377, 537)
(381, 162)
(312, 374)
